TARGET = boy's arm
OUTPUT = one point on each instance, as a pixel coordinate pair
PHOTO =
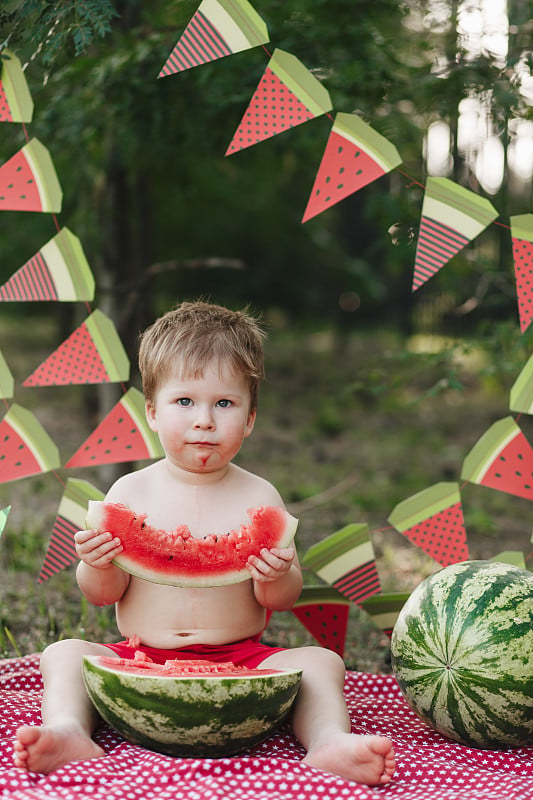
(277, 578)
(100, 581)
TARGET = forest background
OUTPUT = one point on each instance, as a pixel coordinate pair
(373, 392)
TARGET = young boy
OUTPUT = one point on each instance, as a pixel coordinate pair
(201, 366)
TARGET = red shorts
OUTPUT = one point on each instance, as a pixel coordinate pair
(246, 652)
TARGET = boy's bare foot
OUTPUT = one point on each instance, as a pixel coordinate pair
(363, 759)
(44, 749)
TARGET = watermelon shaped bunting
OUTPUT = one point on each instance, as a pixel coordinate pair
(4, 514)
(16, 104)
(217, 29)
(71, 513)
(347, 562)
(521, 396)
(324, 612)
(28, 181)
(433, 520)
(502, 459)
(451, 217)
(123, 435)
(93, 353)
(25, 447)
(287, 95)
(58, 271)
(7, 382)
(522, 241)
(383, 609)
(355, 155)
(514, 557)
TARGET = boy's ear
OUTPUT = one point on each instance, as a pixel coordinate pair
(250, 422)
(149, 410)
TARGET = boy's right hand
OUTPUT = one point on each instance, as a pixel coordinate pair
(97, 549)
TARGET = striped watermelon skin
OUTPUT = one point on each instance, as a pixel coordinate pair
(462, 653)
(437, 244)
(199, 716)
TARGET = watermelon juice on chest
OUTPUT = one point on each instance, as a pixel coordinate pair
(178, 558)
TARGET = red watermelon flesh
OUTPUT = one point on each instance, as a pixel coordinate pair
(273, 108)
(344, 169)
(523, 266)
(512, 469)
(442, 535)
(18, 188)
(32, 282)
(179, 558)
(76, 361)
(437, 244)
(16, 458)
(5, 111)
(176, 667)
(327, 622)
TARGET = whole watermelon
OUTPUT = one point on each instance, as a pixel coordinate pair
(462, 653)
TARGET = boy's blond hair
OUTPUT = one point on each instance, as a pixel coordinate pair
(195, 334)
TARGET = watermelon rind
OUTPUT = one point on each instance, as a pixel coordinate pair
(383, 609)
(319, 594)
(340, 552)
(4, 514)
(75, 500)
(133, 403)
(158, 561)
(521, 395)
(110, 348)
(363, 135)
(237, 21)
(487, 448)
(462, 653)
(45, 176)
(68, 266)
(16, 88)
(27, 426)
(522, 227)
(200, 716)
(424, 504)
(7, 381)
(301, 82)
(461, 209)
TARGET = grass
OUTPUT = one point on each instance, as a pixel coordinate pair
(346, 429)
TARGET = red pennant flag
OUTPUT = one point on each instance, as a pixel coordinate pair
(324, 612)
(26, 449)
(16, 104)
(522, 240)
(28, 181)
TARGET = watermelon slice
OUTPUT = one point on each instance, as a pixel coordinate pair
(383, 609)
(28, 181)
(324, 612)
(502, 459)
(451, 217)
(123, 435)
(218, 28)
(355, 155)
(93, 353)
(178, 558)
(25, 447)
(346, 561)
(522, 241)
(521, 396)
(287, 95)
(16, 104)
(433, 520)
(61, 552)
(59, 271)
(7, 382)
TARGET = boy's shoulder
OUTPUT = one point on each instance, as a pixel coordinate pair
(257, 490)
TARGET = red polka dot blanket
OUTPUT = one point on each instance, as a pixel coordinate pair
(429, 766)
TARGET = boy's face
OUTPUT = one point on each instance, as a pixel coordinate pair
(202, 422)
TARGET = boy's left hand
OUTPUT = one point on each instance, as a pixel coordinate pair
(272, 564)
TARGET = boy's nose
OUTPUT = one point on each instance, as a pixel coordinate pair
(204, 419)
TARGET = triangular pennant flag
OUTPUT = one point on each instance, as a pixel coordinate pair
(28, 181)
(451, 217)
(514, 557)
(502, 459)
(61, 552)
(324, 612)
(287, 95)
(355, 155)
(522, 240)
(123, 435)
(433, 520)
(347, 562)
(383, 609)
(521, 396)
(93, 353)
(7, 382)
(25, 447)
(58, 271)
(16, 104)
(4, 514)
(218, 28)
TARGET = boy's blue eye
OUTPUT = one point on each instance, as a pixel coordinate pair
(185, 402)
(224, 403)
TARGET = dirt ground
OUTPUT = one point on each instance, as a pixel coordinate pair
(346, 429)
